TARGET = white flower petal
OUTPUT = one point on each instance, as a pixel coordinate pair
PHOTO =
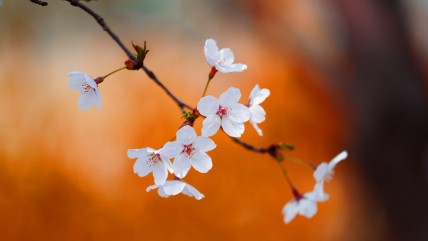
(289, 211)
(160, 173)
(170, 150)
(210, 125)
(91, 82)
(141, 167)
(162, 193)
(259, 96)
(232, 68)
(173, 187)
(210, 51)
(341, 156)
(86, 100)
(204, 144)
(232, 128)
(98, 98)
(257, 128)
(239, 113)
(321, 172)
(227, 55)
(319, 194)
(208, 105)
(186, 135)
(201, 162)
(308, 208)
(181, 165)
(76, 80)
(149, 188)
(134, 153)
(192, 192)
(254, 92)
(258, 114)
(230, 97)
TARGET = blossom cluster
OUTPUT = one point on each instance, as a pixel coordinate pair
(306, 204)
(189, 150)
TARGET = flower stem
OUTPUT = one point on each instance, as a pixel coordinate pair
(119, 69)
(210, 77)
(206, 86)
(287, 178)
(301, 162)
(132, 57)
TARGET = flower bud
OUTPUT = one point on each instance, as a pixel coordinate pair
(131, 65)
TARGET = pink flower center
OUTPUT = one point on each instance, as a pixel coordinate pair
(219, 60)
(154, 159)
(222, 111)
(188, 149)
(85, 88)
(297, 195)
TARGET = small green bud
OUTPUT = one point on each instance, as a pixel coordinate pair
(283, 146)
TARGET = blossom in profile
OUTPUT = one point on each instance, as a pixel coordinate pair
(258, 114)
(325, 171)
(192, 152)
(303, 204)
(222, 59)
(155, 161)
(174, 187)
(89, 92)
(225, 112)
(319, 193)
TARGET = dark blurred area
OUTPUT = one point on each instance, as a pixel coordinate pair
(344, 74)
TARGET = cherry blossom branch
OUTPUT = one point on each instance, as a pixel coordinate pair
(272, 150)
(103, 24)
(180, 103)
(38, 2)
(132, 57)
(250, 147)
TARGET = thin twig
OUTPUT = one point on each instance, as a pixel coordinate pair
(38, 2)
(105, 27)
(131, 56)
(180, 103)
(250, 147)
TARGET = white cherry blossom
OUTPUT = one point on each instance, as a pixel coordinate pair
(305, 205)
(258, 114)
(192, 152)
(319, 193)
(174, 187)
(222, 60)
(324, 171)
(89, 92)
(225, 112)
(156, 161)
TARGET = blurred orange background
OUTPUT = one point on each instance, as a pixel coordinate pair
(65, 175)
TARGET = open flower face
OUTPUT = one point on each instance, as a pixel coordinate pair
(225, 112)
(258, 114)
(222, 60)
(172, 188)
(156, 161)
(305, 205)
(324, 171)
(192, 152)
(89, 92)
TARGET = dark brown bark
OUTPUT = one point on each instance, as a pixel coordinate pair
(391, 114)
